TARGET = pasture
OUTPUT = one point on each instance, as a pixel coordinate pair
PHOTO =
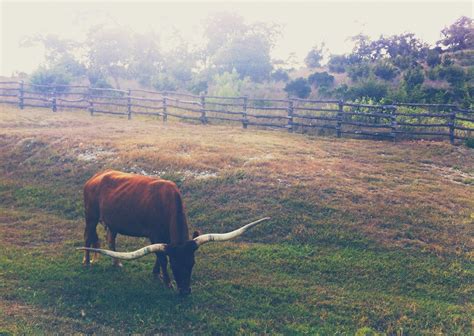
(365, 235)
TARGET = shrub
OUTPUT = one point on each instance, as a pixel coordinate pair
(299, 88)
(52, 76)
(385, 70)
(228, 84)
(321, 79)
(404, 62)
(163, 82)
(280, 75)
(470, 142)
(433, 58)
(453, 74)
(359, 71)
(338, 63)
(368, 88)
(413, 77)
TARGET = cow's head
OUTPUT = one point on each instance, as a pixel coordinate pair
(181, 256)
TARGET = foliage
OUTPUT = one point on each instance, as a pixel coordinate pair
(321, 79)
(433, 57)
(458, 36)
(280, 75)
(368, 88)
(233, 44)
(315, 56)
(228, 84)
(453, 74)
(413, 77)
(299, 88)
(164, 82)
(385, 70)
(470, 142)
(358, 71)
(54, 76)
(338, 63)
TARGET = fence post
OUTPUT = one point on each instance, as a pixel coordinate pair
(165, 108)
(339, 118)
(203, 109)
(54, 106)
(290, 116)
(91, 103)
(393, 122)
(245, 120)
(452, 120)
(129, 104)
(21, 99)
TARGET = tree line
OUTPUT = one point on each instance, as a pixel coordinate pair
(235, 59)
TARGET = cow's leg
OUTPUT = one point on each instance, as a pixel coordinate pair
(111, 241)
(90, 239)
(162, 262)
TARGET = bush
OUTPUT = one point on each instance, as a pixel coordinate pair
(53, 76)
(404, 62)
(470, 142)
(299, 88)
(359, 71)
(280, 75)
(321, 79)
(453, 74)
(369, 88)
(385, 70)
(338, 63)
(228, 84)
(163, 82)
(433, 58)
(413, 77)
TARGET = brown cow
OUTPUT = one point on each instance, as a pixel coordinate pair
(143, 206)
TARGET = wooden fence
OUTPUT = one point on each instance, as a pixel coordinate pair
(397, 121)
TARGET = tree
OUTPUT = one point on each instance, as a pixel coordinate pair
(413, 78)
(315, 56)
(321, 79)
(338, 63)
(358, 71)
(232, 44)
(109, 52)
(299, 88)
(458, 36)
(385, 70)
(249, 55)
(147, 59)
(280, 75)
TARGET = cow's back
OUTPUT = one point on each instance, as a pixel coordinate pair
(137, 205)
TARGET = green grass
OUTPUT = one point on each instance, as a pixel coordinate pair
(364, 238)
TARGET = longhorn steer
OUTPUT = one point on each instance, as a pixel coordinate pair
(143, 206)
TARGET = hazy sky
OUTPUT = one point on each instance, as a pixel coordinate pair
(304, 23)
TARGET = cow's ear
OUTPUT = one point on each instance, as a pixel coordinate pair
(196, 234)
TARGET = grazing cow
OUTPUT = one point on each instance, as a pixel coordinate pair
(142, 206)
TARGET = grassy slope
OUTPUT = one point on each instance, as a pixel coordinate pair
(364, 234)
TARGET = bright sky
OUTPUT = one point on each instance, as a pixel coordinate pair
(304, 23)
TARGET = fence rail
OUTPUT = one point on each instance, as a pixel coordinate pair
(396, 121)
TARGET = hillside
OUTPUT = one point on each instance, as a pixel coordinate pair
(364, 234)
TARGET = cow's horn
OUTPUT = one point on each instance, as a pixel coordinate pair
(206, 238)
(128, 255)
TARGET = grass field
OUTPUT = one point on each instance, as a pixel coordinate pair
(365, 236)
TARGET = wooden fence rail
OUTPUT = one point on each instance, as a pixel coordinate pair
(396, 121)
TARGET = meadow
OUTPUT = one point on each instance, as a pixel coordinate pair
(366, 237)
